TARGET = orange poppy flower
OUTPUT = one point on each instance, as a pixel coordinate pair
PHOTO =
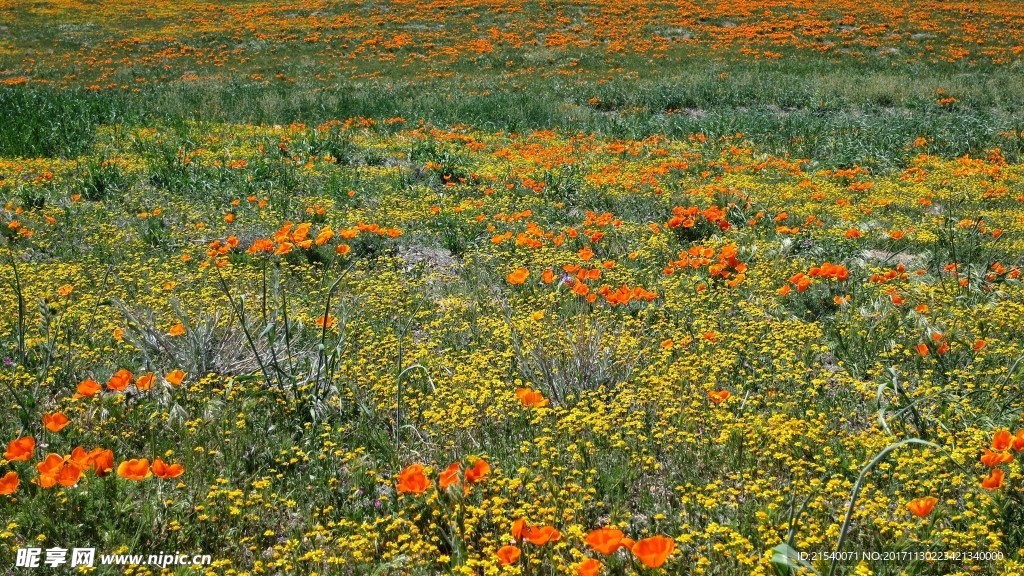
(518, 527)
(55, 469)
(589, 567)
(541, 535)
(1018, 441)
(993, 459)
(20, 449)
(177, 330)
(517, 277)
(69, 475)
(548, 276)
(261, 245)
(120, 380)
(343, 249)
(134, 469)
(145, 382)
(605, 540)
(478, 472)
(450, 476)
(164, 470)
(718, 396)
(102, 461)
(87, 388)
(56, 421)
(994, 480)
(9, 483)
(654, 551)
(301, 231)
(48, 470)
(922, 349)
(324, 236)
(922, 507)
(585, 254)
(531, 398)
(413, 480)
(509, 555)
(79, 457)
(1002, 440)
(175, 377)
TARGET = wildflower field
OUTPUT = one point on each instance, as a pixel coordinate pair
(526, 288)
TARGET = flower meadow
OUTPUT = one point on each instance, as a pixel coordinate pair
(377, 331)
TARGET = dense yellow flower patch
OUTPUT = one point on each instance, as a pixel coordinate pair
(374, 346)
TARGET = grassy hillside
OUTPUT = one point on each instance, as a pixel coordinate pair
(512, 288)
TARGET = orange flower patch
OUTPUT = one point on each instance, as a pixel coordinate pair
(20, 449)
(992, 458)
(1002, 440)
(450, 476)
(9, 483)
(120, 380)
(102, 461)
(134, 469)
(653, 551)
(87, 388)
(518, 276)
(718, 396)
(508, 555)
(145, 382)
(163, 470)
(922, 507)
(531, 398)
(412, 480)
(605, 540)
(994, 481)
(478, 472)
(55, 469)
(175, 377)
(539, 536)
(589, 567)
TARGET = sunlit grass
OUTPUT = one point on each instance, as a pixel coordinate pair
(513, 289)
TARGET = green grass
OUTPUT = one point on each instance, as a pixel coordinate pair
(834, 117)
